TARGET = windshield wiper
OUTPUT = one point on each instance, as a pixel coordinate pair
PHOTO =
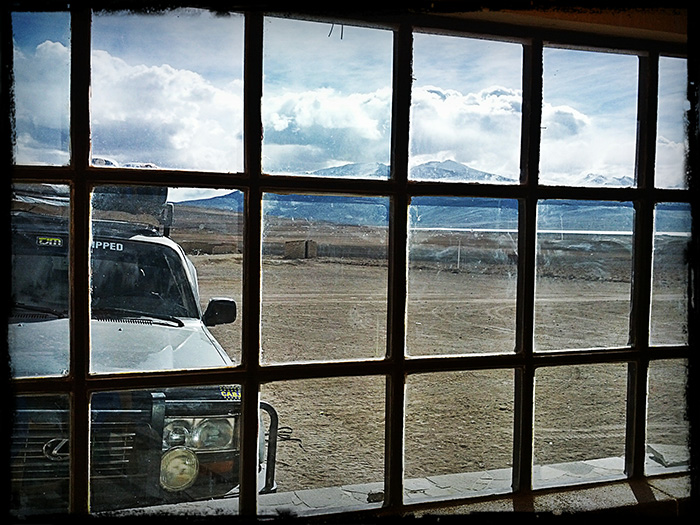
(125, 313)
(41, 309)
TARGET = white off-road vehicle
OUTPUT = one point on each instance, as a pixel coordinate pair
(147, 447)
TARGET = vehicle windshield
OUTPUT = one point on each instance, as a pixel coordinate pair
(129, 278)
(40, 273)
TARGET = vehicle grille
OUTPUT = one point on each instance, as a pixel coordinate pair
(126, 447)
(112, 450)
(113, 447)
(28, 460)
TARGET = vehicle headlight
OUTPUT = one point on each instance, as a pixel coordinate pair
(212, 433)
(179, 468)
(176, 433)
(215, 433)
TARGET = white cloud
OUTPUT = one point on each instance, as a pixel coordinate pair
(670, 163)
(479, 129)
(575, 145)
(365, 114)
(563, 122)
(178, 118)
(30, 151)
(172, 117)
(41, 103)
(328, 126)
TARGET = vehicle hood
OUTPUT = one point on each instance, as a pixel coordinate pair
(42, 348)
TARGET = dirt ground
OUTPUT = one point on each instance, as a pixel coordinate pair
(333, 429)
(334, 307)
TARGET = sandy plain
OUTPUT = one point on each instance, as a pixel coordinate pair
(334, 307)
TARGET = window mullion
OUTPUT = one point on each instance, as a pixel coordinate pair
(251, 264)
(394, 445)
(79, 246)
(527, 228)
(642, 274)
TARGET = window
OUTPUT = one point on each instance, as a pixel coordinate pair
(272, 264)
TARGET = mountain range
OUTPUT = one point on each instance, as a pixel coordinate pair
(452, 212)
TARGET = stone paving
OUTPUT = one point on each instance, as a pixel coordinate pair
(435, 488)
(444, 487)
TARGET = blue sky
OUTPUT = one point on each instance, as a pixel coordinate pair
(168, 90)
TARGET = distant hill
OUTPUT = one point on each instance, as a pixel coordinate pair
(450, 212)
(452, 171)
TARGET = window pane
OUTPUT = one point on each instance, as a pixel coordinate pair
(579, 424)
(465, 110)
(332, 455)
(151, 447)
(208, 225)
(167, 90)
(672, 138)
(326, 99)
(39, 461)
(462, 275)
(459, 435)
(324, 277)
(38, 324)
(583, 279)
(668, 424)
(669, 298)
(147, 310)
(41, 70)
(589, 118)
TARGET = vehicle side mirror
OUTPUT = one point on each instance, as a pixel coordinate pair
(219, 311)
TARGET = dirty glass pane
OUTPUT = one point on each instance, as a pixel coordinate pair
(589, 118)
(326, 104)
(465, 110)
(669, 295)
(668, 423)
(38, 322)
(462, 275)
(152, 249)
(672, 131)
(39, 460)
(324, 277)
(459, 435)
(583, 274)
(167, 90)
(41, 71)
(208, 225)
(579, 431)
(330, 455)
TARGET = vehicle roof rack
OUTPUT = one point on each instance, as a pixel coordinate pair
(135, 204)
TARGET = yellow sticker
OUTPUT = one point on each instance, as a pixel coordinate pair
(232, 393)
(56, 242)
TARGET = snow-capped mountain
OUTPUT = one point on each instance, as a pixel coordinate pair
(596, 180)
(362, 170)
(445, 212)
(452, 171)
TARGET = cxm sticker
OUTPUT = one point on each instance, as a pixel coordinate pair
(55, 242)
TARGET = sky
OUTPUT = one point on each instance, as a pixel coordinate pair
(168, 90)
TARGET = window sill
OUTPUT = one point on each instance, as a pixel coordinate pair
(668, 495)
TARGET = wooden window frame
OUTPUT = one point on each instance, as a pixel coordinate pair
(396, 366)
